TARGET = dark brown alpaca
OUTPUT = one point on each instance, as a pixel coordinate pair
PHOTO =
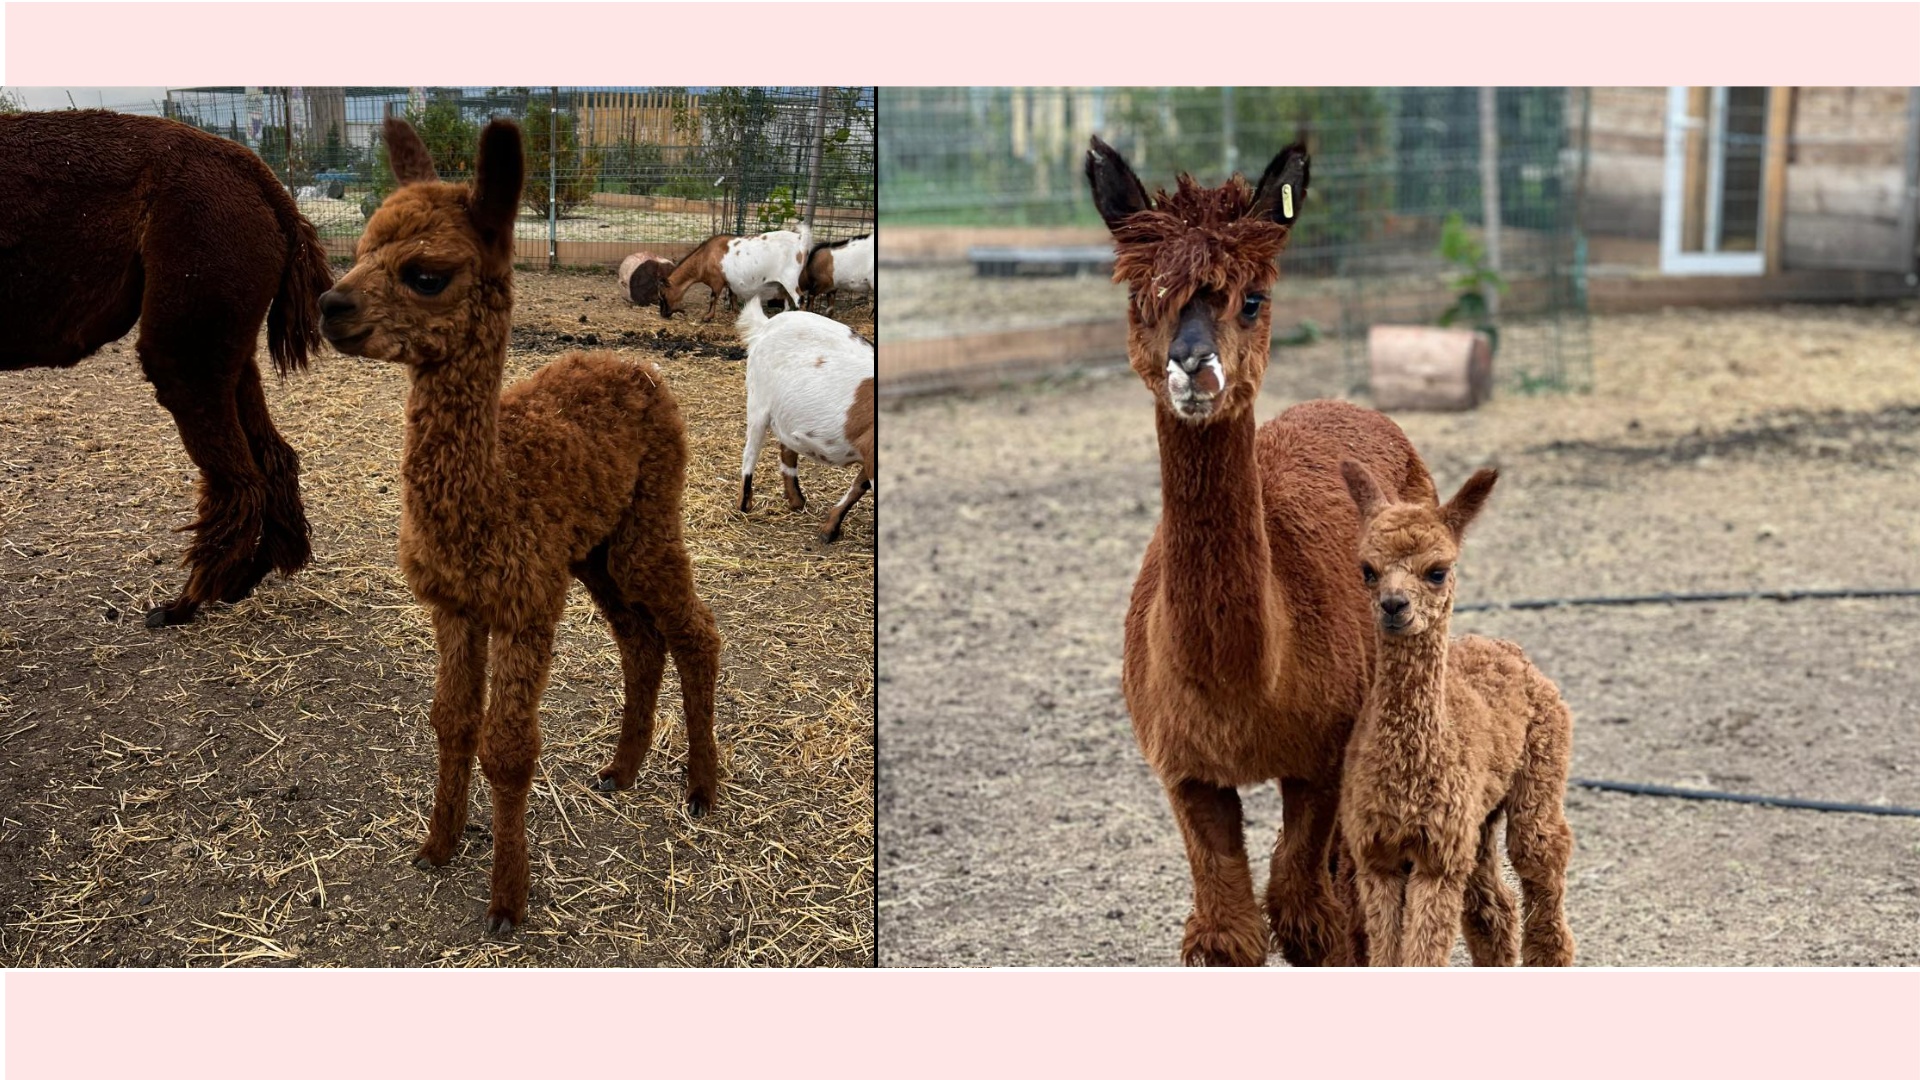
(1248, 646)
(106, 219)
(578, 470)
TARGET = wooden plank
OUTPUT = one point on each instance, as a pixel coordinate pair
(909, 245)
(1779, 112)
(1652, 292)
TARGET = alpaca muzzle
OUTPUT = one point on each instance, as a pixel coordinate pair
(1194, 385)
(339, 320)
(1396, 616)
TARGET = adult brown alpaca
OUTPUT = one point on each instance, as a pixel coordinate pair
(106, 219)
(578, 470)
(1456, 734)
(1248, 650)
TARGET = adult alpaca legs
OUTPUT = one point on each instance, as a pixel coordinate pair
(1309, 924)
(1225, 928)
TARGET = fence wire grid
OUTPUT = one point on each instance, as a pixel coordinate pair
(1390, 166)
(610, 170)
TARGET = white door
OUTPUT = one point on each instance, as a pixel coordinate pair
(1712, 206)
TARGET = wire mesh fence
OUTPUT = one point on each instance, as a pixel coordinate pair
(1391, 166)
(610, 170)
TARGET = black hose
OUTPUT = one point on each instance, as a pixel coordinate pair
(1760, 800)
(1781, 595)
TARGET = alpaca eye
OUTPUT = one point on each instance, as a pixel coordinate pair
(425, 282)
(1437, 576)
(1250, 308)
(1367, 574)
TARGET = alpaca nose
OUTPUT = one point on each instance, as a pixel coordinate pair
(1393, 604)
(1193, 347)
(334, 304)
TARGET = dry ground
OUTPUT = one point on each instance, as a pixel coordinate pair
(1762, 449)
(250, 788)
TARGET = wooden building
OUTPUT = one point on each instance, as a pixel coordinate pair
(1813, 190)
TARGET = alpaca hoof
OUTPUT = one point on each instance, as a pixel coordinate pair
(428, 859)
(698, 804)
(499, 924)
(609, 782)
(1224, 946)
(171, 615)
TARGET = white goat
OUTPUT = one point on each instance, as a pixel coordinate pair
(845, 265)
(811, 380)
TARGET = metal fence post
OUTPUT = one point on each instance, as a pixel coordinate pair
(553, 177)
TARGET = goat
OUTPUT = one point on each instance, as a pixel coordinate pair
(742, 266)
(847, 264)
(811, 380)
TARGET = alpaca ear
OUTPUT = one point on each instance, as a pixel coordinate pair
(407, 154)
(1117, 193)
(497, 177)
(1366, 494)
(1283, 187)
(1466, 503)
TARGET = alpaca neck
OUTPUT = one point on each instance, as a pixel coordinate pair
(1409, 699)
(450, 473)
(1216, 578)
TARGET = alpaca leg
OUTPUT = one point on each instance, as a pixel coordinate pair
(1382, 897)
(1346, 893)
(284, 538)
(1430, 920)
(458, 689)
(643, 659)
(758, 417)
(790, 478)
(1308, 923)
(509, 749)
(651, 565)
(1225, 928)
(1490, 923)
(1540, 843)
(232, 490)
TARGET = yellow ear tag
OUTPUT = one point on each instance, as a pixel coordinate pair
(1286, 200)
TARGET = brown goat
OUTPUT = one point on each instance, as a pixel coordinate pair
(579, 471)
(106, 219)
(700, 267)
(1456, 734)
(1248, 649)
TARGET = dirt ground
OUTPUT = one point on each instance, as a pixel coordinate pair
(1738, 450)
(250, 788)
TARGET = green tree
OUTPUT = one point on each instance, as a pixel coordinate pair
(452, 142)
(576, 170)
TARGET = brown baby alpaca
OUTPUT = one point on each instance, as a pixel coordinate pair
(1455, 735)
(1248, 645)
(106, 219)
(579, 470)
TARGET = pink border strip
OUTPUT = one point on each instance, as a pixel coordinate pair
(1033, 1023)
(964, 43)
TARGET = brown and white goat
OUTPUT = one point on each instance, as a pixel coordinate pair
(810, 380)
(842, 266)
(767, 265)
